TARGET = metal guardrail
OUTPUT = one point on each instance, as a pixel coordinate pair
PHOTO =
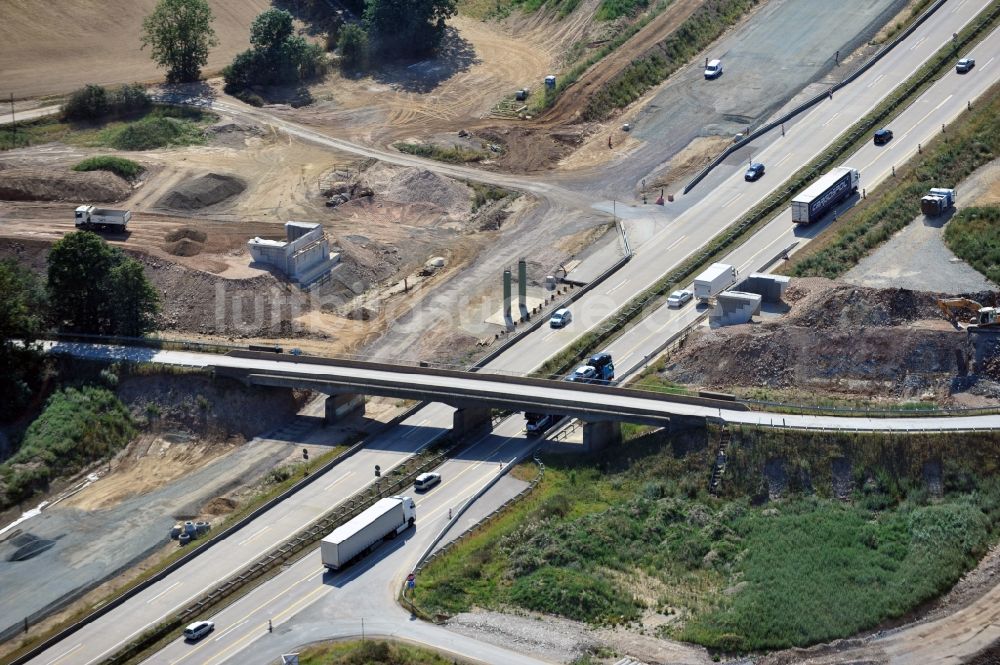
(764, 129)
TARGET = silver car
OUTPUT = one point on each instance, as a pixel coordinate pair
(678, 298)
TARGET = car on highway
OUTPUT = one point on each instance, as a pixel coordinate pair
(965, 65)
(882, 136)
(713, 69)
(537, 423)
(583, 374)
(678, 298)
(560, 318)
(754, 171)
(425, 481)
(198, 630)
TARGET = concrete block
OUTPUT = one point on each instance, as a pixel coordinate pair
(601, 434)
(734, 307)
(769, 287)
(339, 407)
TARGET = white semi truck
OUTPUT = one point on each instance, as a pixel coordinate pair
(817, 199)
(91, 217)
(385, 519)
(717, 278)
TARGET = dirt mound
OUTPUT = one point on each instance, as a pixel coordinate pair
(220, 505)
(416, 185)
(836, 339)
(20, 184)
(202, 191)
(184, 247)
(188, 232)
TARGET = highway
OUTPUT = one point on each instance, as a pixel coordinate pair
(680, 231)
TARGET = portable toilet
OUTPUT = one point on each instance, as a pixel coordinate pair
(550, 82)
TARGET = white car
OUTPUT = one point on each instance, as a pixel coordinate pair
(713, 69)
(678, 298)
(198, 630)
(425, 481)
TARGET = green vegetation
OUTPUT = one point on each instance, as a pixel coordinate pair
(612, 9)
(974, 235)
(93, 102)
(951, 157)
(369, 652)
(407, 29)
(77, 428)
(353, 46)
(22, 310)
(607, 538)
(179, 34)
(697, 32)
(483, 193)
(95, 288)
(452, 155)
(276, 55)
(164, 126)
(120, 166)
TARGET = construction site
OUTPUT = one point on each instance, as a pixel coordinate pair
(323, 229)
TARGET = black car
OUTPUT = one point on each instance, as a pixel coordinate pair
(755, 171)
(883, 136)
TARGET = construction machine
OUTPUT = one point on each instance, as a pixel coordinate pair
(976, 314)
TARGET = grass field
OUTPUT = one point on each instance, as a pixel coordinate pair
(617, 537)
(120, 166)
(974, 235)
(370, 652)
(453, 155)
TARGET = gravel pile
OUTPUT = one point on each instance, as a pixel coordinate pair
(202, 191)
(21, 184)
(416, 185)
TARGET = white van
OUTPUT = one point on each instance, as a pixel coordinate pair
(198, 630)
(713, 69)
(561, 318)
(425, 481)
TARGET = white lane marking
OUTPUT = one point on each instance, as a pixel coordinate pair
(832, 118)
(958, 6)
(163, 592)
(676, 242)
(918, 42)
(345, 476)
(58, 658)
(783, 160)
(732, 200)
(549, 336)
(228, 630)
(874, 82)
(918, 123)
(618, 286)
(987, 63)
(256, 533)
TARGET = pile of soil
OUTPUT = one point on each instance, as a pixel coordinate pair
(836, 338)
(25, 184)
(416, 185)
(202, 191)
(185, 241)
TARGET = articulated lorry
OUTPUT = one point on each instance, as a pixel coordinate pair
(384, 520)
(90, 217)
(716, 279)
(819, 197)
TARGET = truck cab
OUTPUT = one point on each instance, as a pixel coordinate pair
(604, 366)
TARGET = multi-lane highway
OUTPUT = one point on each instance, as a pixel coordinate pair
(677, 233)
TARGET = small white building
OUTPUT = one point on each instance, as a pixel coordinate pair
(304, 257)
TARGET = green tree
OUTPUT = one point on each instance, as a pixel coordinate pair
(22, 310)
(276, 55)
(95, 288)
(88, 103)
(407, 27)
(180, 34)
(353, 47)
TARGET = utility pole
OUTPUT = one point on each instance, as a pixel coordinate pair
(13, 123)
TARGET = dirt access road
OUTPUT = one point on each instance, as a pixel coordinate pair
(97, 41)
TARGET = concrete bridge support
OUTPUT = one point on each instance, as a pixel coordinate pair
(339, 407)
(470, 419)
(686, 423)
(600, 434)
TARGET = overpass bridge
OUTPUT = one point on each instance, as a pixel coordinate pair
(474, 394)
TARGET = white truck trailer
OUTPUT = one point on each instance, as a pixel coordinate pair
(385, 519)
(91, 217)
(819, 197)
(717, 278)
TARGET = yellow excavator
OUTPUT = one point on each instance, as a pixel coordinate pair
(974, 313)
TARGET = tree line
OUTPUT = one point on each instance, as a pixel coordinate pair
(179, 35)
(90, 287)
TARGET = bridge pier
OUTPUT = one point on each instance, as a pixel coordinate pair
(341, 406)
(600, 434)
(470, 419)
(686, 423)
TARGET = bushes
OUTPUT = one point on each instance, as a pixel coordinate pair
(276, 56)
(353, 46)
(120, 166)
(77, 427)
(452, 155)
(94, 102)
(612, 9)
(974, 235)
(163, 127)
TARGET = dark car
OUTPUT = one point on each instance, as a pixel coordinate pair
(965, 65)
(755, 171)
(883, 136)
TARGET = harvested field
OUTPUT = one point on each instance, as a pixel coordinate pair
(29, 184)
(202, 191)
(837, 339)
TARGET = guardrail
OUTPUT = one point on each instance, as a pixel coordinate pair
(764, 129)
